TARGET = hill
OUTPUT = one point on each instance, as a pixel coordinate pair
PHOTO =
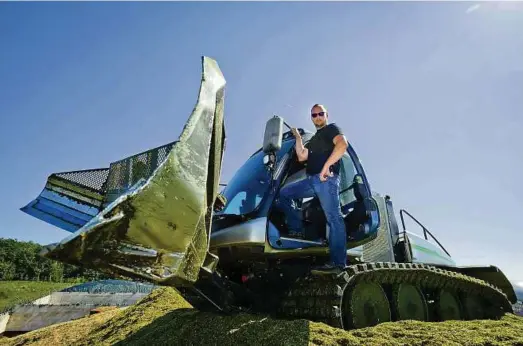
(164, 317)
(17, 292)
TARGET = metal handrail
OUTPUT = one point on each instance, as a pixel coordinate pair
(425, 230)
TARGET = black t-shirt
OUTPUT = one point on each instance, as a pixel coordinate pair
(320, 148)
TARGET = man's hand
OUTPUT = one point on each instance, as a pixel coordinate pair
(296, 133)
(301, 152)
(325, 173)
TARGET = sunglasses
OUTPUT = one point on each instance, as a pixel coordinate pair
(321, 114)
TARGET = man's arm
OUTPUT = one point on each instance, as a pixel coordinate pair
(301, 151)
(340, 147)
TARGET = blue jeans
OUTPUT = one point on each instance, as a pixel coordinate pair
(328, 195)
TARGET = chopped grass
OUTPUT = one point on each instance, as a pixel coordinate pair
(68, 333)
(16, 292)
(164, 317)
(507, 331)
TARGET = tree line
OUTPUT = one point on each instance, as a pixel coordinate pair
(20, 260)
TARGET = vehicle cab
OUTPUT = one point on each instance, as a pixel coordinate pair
(250, 220)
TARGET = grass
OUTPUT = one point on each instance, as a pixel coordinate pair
(69, 333)
(164, 317)
(16, 292)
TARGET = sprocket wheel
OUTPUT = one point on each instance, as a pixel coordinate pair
(447, 306)
(365, 305)
(473, 307)
(409, 303)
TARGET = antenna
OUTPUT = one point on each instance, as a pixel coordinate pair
(284, 123)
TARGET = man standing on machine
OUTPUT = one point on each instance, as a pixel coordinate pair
(322, 154)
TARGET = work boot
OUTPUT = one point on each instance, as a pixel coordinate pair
(328, 268)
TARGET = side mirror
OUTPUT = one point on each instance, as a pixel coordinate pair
(273, 136)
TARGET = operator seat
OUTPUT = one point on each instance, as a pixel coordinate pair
(314, 220)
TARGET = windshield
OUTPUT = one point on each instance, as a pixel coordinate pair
(250, 183)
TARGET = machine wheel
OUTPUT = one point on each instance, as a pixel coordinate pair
(491, 310)
(365, 305)
(472, 307)
(447, 306)
(409, 303)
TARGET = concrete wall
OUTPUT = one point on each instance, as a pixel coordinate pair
(4, 318)
(42, 301)
(61, 307)
(92, 299)
(30, 317)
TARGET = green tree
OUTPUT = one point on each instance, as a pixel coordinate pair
(57, 272)
(7, 271)
(21, 261)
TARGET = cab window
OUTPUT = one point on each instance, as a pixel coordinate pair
(347, 173)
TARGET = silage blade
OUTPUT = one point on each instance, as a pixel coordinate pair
(160, 230)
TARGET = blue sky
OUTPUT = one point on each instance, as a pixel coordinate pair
(429, 94)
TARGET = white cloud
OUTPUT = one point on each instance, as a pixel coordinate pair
(472, 8)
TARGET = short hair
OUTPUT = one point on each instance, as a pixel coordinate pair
(320, 106)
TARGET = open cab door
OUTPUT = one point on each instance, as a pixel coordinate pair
(360, 210)
(159, 229)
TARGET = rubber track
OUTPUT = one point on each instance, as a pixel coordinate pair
(319, 297)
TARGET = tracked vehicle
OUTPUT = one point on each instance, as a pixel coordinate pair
(156, 216)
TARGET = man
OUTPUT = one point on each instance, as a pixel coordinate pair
(322, 154)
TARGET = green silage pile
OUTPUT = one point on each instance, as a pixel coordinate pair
(164, 318)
